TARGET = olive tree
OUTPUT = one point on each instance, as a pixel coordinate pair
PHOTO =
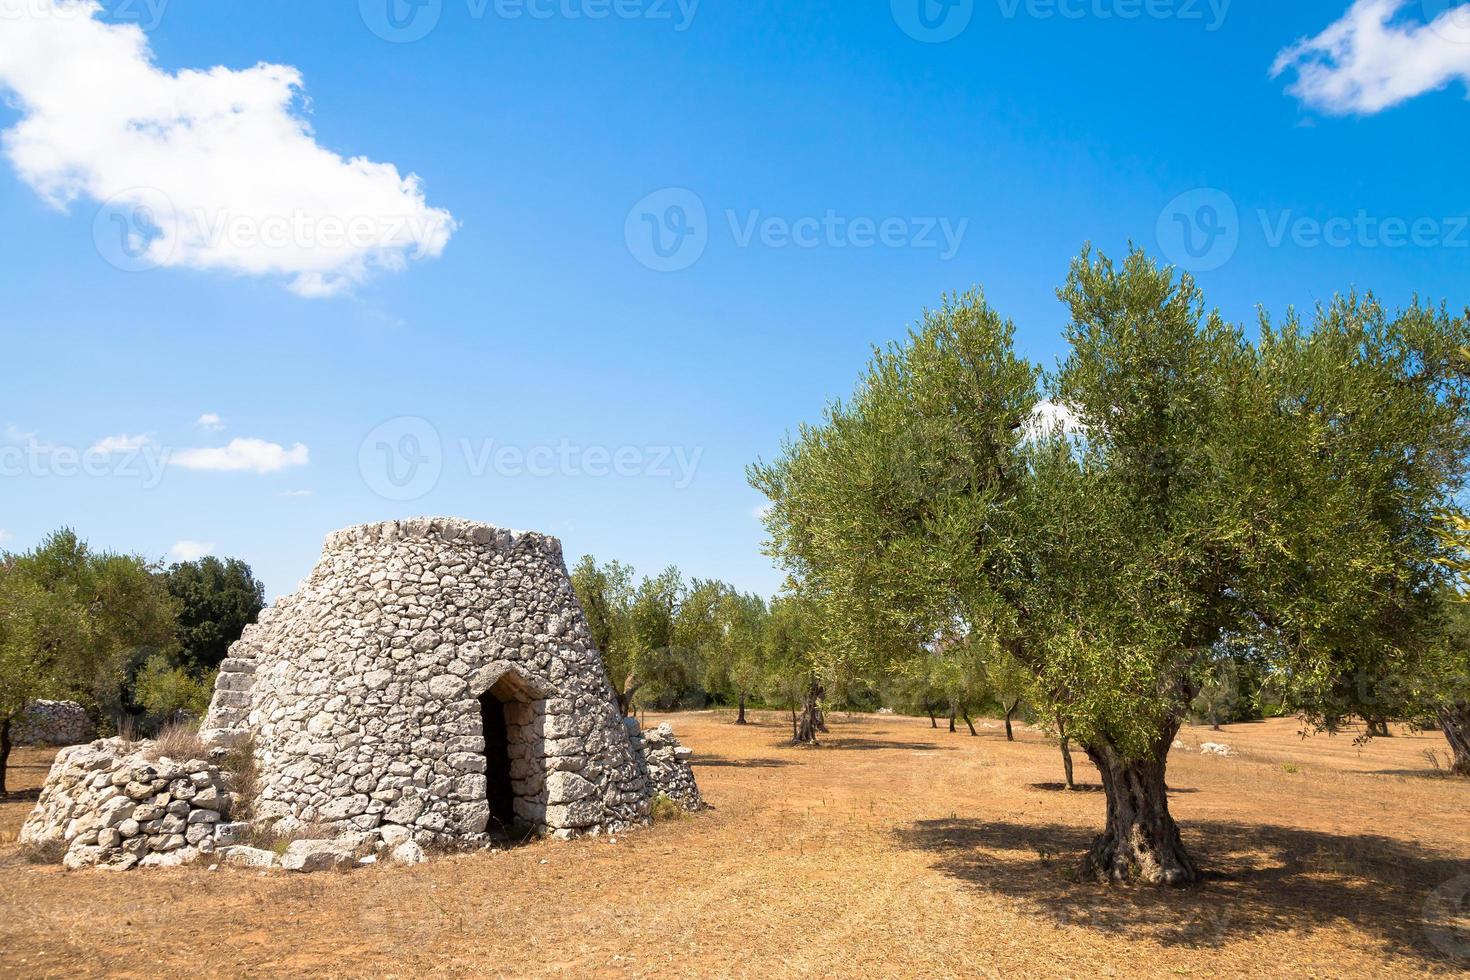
(70, 619)
(1214, 494)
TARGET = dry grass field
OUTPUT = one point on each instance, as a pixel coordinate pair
(896, 850)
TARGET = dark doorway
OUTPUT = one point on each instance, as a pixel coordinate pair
(497, 761)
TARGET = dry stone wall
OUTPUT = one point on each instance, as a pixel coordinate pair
(668, 768)
(53, 723)
(369, 693)
(107, 804)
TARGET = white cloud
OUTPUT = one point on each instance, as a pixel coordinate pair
(1373, 58)
(204, 169)
(120, 444)
(190, 550)
(296, 493)
(243, 455)
(210, 422)
(5, 536)
(1045, 418)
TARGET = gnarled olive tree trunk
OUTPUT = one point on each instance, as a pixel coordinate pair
(740, 718)
(1454, 721)
(4, 751)
(1141, 842)
(809, 722)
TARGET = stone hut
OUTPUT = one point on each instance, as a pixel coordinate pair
(432, 678)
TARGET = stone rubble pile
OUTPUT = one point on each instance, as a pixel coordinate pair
(668, 768)
(108, 805)
(53, 723)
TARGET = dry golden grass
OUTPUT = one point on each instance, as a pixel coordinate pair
(177, 740)
(895, 851)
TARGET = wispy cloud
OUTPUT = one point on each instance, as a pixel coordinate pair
(1048, 416)
(190, 550)
(1375, 57)
(212, 168)
(123, 443)
(210, 422)
(243, 455)
(5, 536)
(296, 493)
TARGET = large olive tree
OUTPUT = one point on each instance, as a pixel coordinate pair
(1213, 495)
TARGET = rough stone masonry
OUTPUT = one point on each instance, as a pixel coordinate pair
(432, 677)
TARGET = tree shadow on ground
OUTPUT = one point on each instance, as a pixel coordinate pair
(1064, 788)
(718, 761)
(21, 796)
(867, 744)
(1259, 880)
(1426, 773)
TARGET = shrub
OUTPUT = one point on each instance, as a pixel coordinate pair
(178, 741)
(167, 690)
(664, 808)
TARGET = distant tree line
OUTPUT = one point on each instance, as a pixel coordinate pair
(136, 642)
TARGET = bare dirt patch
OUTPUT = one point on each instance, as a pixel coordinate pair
(898, 850)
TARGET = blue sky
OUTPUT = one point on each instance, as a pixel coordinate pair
(817, 174)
